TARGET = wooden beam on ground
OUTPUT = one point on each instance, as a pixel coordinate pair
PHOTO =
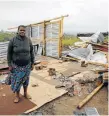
(98, 64)
(81, 104)
(67, 57)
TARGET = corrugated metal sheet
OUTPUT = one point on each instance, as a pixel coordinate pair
(37, 32)
(3, 50)
(28, 31)
(52, 40)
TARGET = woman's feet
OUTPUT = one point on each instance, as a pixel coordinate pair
(27, 96)
(16, 100)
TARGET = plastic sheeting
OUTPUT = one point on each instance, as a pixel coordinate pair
(99, 57)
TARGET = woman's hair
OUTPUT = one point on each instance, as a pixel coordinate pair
(21, 26)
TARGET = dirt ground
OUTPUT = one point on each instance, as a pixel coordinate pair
(66, 105)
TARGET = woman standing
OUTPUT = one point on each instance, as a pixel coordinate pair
(20, 58)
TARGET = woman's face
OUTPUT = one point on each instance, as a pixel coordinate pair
(21, 31)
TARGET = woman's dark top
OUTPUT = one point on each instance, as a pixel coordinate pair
(20, 51)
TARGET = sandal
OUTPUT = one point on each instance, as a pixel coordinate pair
(16, 100)
(27, 96)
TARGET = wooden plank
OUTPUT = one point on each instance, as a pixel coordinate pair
(89, 96)
(40, 22)
(44, 39)
(98, 64)
(70, 58)
(42, 94)
(60, 37)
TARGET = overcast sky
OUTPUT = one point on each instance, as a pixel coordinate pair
(84, 15)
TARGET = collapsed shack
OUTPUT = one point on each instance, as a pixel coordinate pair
(58, 75)
(70, 76)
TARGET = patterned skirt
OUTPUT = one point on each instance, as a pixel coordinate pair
(19, 76)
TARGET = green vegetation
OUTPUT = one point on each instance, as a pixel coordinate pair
(4, 36)
(106, 39)
(69, 40)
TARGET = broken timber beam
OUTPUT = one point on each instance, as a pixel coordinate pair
(98, 64)
(81, 104)
(67, 57)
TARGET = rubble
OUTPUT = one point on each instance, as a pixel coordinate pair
(39, 67)
(85, 77)
(52, 71)
(72, 83)
(89, 50)
(84, 64)
(34, 85)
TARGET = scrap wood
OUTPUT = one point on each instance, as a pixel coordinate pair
(39, 67)
(43, 94)
(98, 64)
(4, 71)
(37, 62)
(105, 43)
(52, 71)
(84, 64)
(69, 75)
(89, 96)
(89, 62)
(74, 74)
(101, 71)
(100, 47)
(3, 67)
(70, 58)
(105, 78)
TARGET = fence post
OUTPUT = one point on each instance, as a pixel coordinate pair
(44, 39)
(60, 36)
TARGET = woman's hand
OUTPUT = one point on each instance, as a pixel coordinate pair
(32, 67)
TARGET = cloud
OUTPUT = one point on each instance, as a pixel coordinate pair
(84, 15)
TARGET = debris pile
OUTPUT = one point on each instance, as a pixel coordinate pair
(93, 50)
(74, 82)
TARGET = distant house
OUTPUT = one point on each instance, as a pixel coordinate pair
(90, 34)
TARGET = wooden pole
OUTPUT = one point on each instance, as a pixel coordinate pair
(61, 37)
(44, 39)
(89, 96)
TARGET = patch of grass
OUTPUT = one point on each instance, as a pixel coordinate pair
(70, 41)
(6, 36)
(106, 39)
